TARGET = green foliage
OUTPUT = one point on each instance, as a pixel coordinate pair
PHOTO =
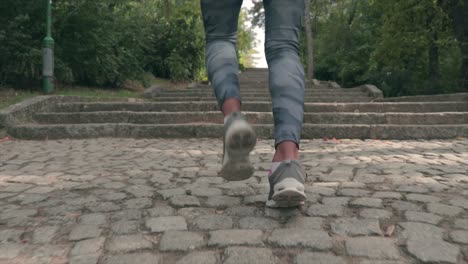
(177, 46)
(405, 47)
(245, 41)
(105, 42)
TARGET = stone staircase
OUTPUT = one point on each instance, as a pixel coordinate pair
(330, 111)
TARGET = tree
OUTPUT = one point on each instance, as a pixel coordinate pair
(310, 51)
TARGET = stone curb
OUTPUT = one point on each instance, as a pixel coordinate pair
(428, 98)
(372, 91)
(420, 107)
(22, 111)
(80, 131)
(252, 117)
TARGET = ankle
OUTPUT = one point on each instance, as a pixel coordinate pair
(286, 150)
(230, 106)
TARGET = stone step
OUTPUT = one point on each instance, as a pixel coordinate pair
(265, 90)
(414, 107)
(265, 98)
(258, 93)
(429, 98)
(252, 117)
(309, 131)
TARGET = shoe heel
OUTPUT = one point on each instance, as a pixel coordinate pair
(289, 192)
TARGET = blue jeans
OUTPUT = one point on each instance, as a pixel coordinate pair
(286, 73)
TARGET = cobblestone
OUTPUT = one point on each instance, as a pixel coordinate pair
(235, 238)
(203, 257)
(184, 201)
(162, 201)
(44, 234)
(258, 223)
(443, 209)
(433, 250)
(181, 241)
(314, 239)
(80, 232)
(128, 243)
(325, 210)
(222, 202)
(422, 217)
(372, 247)
(244, 255)
(165, 223)
(354, 226)
(140, 258)
(367, 202)
(213, 222)
(375, 213)
(459, 236)
(92, 246)
(319, 258)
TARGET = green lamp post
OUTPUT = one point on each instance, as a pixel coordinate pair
(48, 54)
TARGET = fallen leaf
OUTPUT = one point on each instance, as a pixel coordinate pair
(390, 230)
(5, 139)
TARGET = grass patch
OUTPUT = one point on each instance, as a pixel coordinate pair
(9, 96)
(97, 92)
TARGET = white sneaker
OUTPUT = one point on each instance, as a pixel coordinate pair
(287, 185)
(239, 141)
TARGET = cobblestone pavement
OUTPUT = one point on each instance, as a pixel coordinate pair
(117, 201)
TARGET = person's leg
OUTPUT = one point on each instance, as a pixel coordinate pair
(283, 22)
(220, 20)
(286, 82)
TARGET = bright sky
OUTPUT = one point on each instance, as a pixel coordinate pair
(259, 59)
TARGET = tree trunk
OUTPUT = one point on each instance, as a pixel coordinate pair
(310, 50)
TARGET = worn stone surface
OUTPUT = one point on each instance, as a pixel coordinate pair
(354, 226)
(80, 232)
(115, 201)
(140, 258)
(301, 238)
(202, 257)
(213, 222)
(422, 217)
(165, 223)
(128, 243)
(235, 237)
(375, 213)
(245, 255)
(459, 236)
(93, 246)
(372, 247)
(258, 223)
(443, 209)
(319, 258)
(180, 241)
(433, 250)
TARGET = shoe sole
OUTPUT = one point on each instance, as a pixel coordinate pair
(288, 193)
(238, 145)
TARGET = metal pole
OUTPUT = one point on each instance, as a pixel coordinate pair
(48, 54)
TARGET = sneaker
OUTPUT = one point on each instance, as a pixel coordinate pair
(287, 185)
(239, 141)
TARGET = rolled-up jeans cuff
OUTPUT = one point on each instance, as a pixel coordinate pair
(288, 133)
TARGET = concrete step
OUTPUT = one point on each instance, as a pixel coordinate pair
(253, 118)
(414, 107)
(257, 93)
(265, 98)
(310, 131)
(263, 90)
(429, 98)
